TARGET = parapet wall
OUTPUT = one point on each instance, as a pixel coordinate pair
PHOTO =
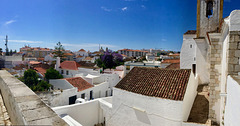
(23, 105)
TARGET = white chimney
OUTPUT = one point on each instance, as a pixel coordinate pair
(57, 63)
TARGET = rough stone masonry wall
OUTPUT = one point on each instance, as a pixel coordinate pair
(215, 77)
(23, 105)
(233, 53)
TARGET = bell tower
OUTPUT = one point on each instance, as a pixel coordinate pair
(209, 15)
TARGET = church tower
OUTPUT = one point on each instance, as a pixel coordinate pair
(209, 15)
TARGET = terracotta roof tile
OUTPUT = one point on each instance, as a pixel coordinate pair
(190, 32)
(171, 61)
(156, 82)
(80, 83)
(81, 50)
(173, 66)
(68, 54)
(40, 70)
(69, 65)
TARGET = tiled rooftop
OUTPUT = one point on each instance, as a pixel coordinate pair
(156, 82)
(81, 50)
(69, 65)
(40, 70)
(190, 32)
(173, 66)
(171, 61)
(80, 83)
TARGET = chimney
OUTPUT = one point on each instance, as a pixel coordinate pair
(57, 63)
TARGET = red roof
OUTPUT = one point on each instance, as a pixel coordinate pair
(173, 66)
(69, 65)
(40, 70)
(190, 32)
(80, 83)
(132, 50)
(156, 82)
(81, 50)
(68, 54)
(171, 61)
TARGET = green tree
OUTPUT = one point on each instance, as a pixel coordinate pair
(7, 52)
(1, 51)
(30, 78)
(11, 52)
(41, 86)
(52, 74)
(59, 49)
(15, 51)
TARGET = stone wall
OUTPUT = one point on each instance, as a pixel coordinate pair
(23, 105)
(215, 78)
(233, 53)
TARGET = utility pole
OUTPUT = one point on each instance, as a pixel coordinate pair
(6, 40)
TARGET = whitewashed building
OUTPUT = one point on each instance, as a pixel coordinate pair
(146, 96)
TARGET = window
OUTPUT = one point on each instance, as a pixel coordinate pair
(127, 67)
(194, 69)
(190, 46)
(194, 59)
(209, 11)
(83, 95)
(61, 71)
(67, 72)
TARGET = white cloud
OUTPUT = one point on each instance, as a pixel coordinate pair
(164, 40)
(9, 22)
(88, 46)
(106, 9)
(124, 8)
(24, 41)
(143, 6)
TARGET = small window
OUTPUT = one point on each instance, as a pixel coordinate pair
(67, 72)
(190, 46)
(194, 59)
(61, 71)
(209, 11)
(83, 95)
(194, 69)
(127, 67)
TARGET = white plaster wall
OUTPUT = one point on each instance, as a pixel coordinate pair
(187, 54)
(130, 109)
(58, 98)
(232, 111)
(87, 114)
(60, 84)
(235, 20)
(189, 96)
(98, 91)
(13, 58)
(193, 124)
(224, 62)
(202, 62)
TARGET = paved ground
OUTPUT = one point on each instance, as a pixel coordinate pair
(4, 118)
(200, 109)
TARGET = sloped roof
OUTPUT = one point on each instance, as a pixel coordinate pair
(190, 32)
(156, 82)
(69, 65)
(173, 66)
(41, 70)
(171, 61)
(81, 50)
(68, 54)
(80, 83)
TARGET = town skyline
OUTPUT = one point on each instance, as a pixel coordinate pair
(133, 24)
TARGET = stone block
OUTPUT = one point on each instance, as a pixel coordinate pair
(230, 67)
(237, 53)
(233, 60)
(237, 68)
(233, 45)
(231, 53)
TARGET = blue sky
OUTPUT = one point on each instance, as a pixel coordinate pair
(116, 24)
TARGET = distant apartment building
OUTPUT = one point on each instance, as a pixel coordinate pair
(132, 53)
(35, 51)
